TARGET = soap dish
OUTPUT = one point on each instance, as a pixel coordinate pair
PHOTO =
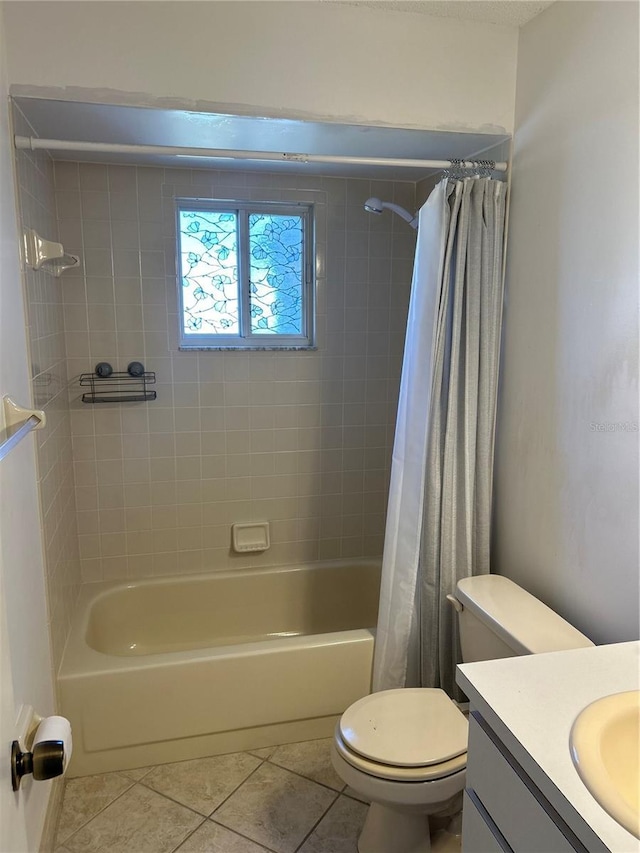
(253, 536)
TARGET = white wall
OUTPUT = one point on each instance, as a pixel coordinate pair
(566, 511)
(25, 668)
(302, 59)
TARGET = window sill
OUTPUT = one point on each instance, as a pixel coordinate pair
(196, 348)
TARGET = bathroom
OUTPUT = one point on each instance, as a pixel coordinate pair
(565, 503)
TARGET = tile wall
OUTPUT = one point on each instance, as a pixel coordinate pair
(302, 439)
(45, 333)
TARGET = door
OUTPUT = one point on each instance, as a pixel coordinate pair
(25, 667)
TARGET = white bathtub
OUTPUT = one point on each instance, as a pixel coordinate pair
(177, 668)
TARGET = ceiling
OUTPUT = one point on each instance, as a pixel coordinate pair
(108, 123)
(512, 13)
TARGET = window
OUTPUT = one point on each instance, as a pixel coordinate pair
(245, 275)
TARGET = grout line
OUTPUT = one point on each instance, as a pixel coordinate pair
(302, 776)
(246, 779)
(242, 835)
(355, 799)
(188, 836)
(146, 773)
(172, 799)
(321, 818)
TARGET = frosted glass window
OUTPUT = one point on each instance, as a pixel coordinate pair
(245, 275)
(276, 248)
(209, 261)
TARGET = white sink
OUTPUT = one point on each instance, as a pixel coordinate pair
(605, 748)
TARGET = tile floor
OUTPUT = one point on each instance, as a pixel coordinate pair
(277, 800)
(282, 799)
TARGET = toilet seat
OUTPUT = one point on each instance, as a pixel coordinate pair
(426, 773)
(409, 728)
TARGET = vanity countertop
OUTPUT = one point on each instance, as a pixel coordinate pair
(531, 702)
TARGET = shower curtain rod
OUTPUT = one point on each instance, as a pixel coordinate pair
(34, 143)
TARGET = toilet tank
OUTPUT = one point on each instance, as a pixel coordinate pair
(499, 619)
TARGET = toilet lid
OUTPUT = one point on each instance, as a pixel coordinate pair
(410, 727)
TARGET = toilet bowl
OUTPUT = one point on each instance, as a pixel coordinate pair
(405, 751)
(406, 769)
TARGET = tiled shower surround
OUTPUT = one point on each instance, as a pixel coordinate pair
(45, 327)
(301, 439)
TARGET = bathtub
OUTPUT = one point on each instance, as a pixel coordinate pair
(169, 669)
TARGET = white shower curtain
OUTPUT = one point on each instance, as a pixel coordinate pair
(438, 517)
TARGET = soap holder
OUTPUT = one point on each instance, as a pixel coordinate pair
(253, 536)
(46, 254)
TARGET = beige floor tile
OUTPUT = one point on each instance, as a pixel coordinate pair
(339, 829)
(140, 821)
(275, 808)
(444, 842)
(137, 773)
(203, 783)
(212, 838)
(311, 759)
(84, 797)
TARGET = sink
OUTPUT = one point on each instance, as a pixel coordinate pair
(605, 748)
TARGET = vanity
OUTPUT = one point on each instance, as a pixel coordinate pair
(524, 794)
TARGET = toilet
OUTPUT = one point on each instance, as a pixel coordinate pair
(405, 751)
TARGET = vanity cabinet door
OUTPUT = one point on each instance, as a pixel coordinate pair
(522, 814)
(479, 833)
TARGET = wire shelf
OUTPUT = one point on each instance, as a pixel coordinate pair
(114, 388)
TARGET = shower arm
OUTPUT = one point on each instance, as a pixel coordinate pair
(404, 214)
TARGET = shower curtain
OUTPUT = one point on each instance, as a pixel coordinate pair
(439, 511)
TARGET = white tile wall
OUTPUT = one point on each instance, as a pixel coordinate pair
(301, 439)
(45, 326)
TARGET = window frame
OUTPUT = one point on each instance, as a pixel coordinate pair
(248, 340)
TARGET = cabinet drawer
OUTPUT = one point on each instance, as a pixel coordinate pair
(479, 833)
(521, 813)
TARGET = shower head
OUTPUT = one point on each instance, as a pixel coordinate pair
(374, 205)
